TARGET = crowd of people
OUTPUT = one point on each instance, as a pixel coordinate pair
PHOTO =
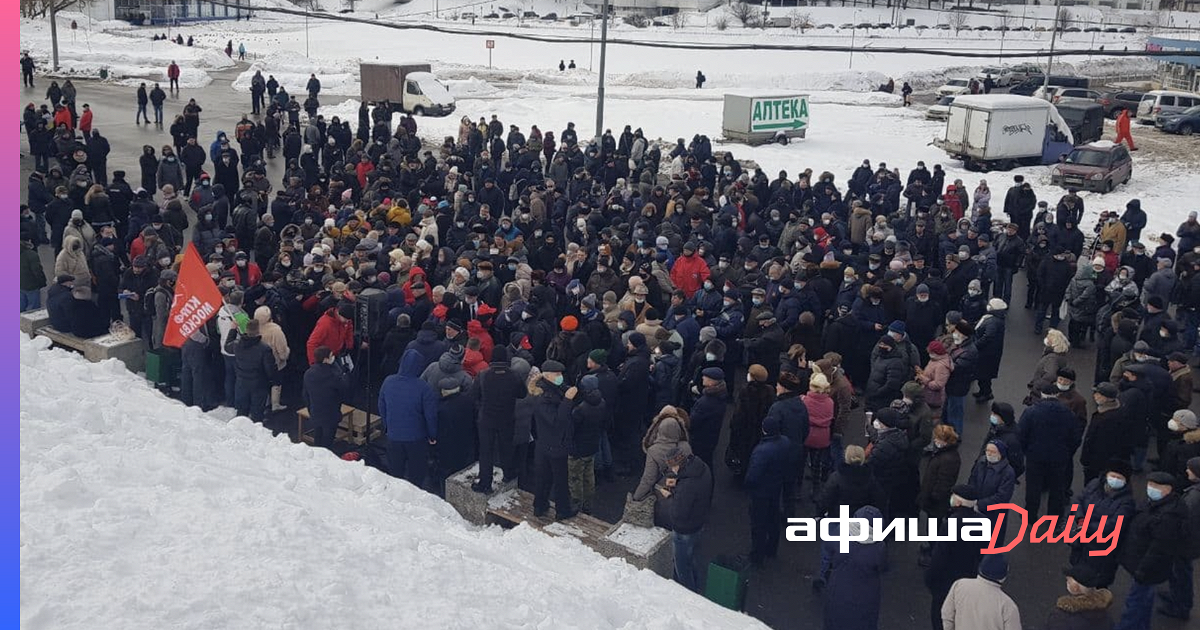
(571, 310)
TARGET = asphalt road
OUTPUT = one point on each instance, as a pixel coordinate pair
(780, 592)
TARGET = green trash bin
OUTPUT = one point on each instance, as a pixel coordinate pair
(728, 578)
(162, 366)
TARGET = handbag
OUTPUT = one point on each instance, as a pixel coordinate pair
(639, 513)
(120, 331)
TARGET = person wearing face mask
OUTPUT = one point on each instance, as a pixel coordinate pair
(994, 479)
(731, 321)
(1108, 434)
(1109, 495)
(552, 417)
(1179, 599)
(964, 357)
(1049, 434)
(245, 273)
(690, 271)
(940, 464)
(1150, 546)
(887, 455)
(1183, 443)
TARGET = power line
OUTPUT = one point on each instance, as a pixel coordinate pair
(549, 39)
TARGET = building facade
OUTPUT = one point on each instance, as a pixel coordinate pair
(1177, 72)
(176, 11)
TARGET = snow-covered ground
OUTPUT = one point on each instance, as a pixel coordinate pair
(138, 512)
(83, 52)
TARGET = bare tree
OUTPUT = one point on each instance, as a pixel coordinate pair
(957, 21)
(745, 13)
(801, 20)
(38, 8)
(1006, 20)
(1063, 18)
(721, 22)
(678, 20)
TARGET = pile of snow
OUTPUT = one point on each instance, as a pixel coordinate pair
(138, 512)
(292, 71)
(129, 56)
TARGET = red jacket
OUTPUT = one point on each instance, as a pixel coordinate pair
(248, 276)
(63, 117)
(85, 121)
(362, 168)
(332, 333)
(689, 274)
(473, 363)
(173, 71)
(475, 331)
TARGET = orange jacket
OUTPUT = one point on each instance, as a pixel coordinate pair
(689, 273)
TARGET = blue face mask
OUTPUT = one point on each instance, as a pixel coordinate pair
(994, 420)
(1154, 494)
(1115, 483)
(558, 380)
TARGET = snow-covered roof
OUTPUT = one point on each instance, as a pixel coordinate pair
(1000, 102)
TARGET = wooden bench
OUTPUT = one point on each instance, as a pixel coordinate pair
(31, 321)
(643, 547)
(131, 351)
(352, 427)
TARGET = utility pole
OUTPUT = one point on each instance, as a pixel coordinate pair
(306, 31)
(54, 32)
(600, 89)
(1053, 38)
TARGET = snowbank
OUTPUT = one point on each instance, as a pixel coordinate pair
(129, 55)
(292, 70)
(137, 512)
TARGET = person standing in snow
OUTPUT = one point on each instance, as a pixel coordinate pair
(254, 364)
(906, 90)
(173, 76)
(314, 85)
(27, 68)
(700, 79)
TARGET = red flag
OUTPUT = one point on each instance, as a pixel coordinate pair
(197, 300)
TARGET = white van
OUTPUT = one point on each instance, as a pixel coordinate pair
(1158, 102)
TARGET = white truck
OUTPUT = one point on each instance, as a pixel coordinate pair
(409, 87)
(1002, 131)
(761, 119)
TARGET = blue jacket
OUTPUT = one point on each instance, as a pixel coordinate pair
(792, 414)
(770, 463)
(994, 482)
(408, 405)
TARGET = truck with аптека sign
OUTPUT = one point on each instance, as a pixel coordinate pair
(763, 119)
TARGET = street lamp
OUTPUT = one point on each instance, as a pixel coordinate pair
(853, 32)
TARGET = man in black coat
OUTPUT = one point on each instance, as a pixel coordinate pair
(952, 560)
(597, 365)
(553, 425)
(1053, 276)
(456, 428)
(193, 157)
(1150, 546)
(631, 410)
(1019, 203)
(792, 416)
(708, 414)
(682, 506)
(98, 149)
(1010, 257)
(59, 302)
(1049, 434)
(326, 385)
(495, 393)
(989, 343)
(254, 364)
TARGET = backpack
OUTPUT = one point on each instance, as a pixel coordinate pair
(148, 307)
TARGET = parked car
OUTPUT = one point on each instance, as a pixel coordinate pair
(864, 25)
(1022, 71)
(954, 87)
(922, 27)
(1114, 102)
(1158, 102)
(1001, 76)
(1099, 166)
(940, 110)
(846, 27)
(1072, 29)
(506, 15)
(1112, 29)
(1075, 95)
(1129, 29)
(492, 16)
(1046, 92)
(825, 26)
(469, 15)
(883, 25)
(1028, 86)
(1092, 29)
(942, 27)
(983, 28)
(1003, 29)
(1022, 29)
(550, 17)
(1184, 123)
(530, 15)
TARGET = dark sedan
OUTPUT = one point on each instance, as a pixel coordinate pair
(1114, 102)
